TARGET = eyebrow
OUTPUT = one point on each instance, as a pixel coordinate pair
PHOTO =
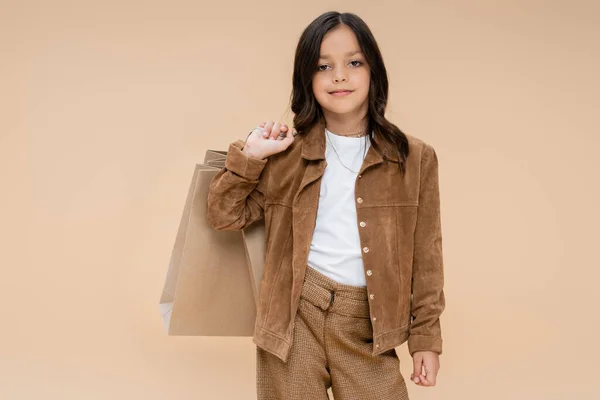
(350, 53)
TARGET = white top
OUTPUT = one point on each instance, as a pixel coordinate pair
(335, 249)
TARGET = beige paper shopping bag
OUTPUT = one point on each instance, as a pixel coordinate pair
(254, 235)
(254, 242)
(217, 156)
(211, 285)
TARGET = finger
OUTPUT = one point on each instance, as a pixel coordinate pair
(424, 381)
(420, 383)
(431, 369)
(283, 132)
(417, 368)
(275, 130)
(266, 129)
(291, 133)
(268, 126)
(430, 378)
(289, 137)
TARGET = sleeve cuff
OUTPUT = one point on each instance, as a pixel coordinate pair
(424, 343)
(241, 164)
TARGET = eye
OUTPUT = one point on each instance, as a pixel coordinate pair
(359, 63)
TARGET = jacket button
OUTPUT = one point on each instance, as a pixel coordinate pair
(377, 346)
(372, 296)
(369, 272)
(359, 200)
(374, 319)
(363, 224)
(366, 249)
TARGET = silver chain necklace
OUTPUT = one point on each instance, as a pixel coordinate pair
(338, 156)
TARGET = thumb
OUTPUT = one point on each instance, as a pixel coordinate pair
(417, 368)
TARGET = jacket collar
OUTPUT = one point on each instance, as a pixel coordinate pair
(313, 145)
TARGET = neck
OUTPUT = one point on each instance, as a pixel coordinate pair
(344, 125)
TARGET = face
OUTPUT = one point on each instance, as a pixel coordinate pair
(341, 66)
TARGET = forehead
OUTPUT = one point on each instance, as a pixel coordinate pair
(339, 42)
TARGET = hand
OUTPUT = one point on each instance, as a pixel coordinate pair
(430, 361)
(268, 138)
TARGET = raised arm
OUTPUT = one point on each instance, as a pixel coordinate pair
(236, 195)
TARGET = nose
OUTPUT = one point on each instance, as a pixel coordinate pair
(339, 77)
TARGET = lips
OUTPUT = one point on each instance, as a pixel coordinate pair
(341, 93)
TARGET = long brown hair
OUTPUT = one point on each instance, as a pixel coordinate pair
(307, 111)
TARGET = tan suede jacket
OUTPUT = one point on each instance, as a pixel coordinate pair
(398, 219)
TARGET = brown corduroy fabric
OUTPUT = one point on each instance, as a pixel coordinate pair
(332, 347)
(397, 216)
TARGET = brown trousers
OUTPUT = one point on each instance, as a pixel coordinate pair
(332, 347)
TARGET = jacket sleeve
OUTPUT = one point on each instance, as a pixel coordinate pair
(236, 194)
(428, 301)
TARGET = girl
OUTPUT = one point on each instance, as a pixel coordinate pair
(353, 264)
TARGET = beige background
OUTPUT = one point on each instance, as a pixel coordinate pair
(106, 106)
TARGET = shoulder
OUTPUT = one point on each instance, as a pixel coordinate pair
(422, 156)
(418, 145)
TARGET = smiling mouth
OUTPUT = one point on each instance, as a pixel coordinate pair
(342, 93)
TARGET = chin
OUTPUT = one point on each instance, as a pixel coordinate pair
(341, 109)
